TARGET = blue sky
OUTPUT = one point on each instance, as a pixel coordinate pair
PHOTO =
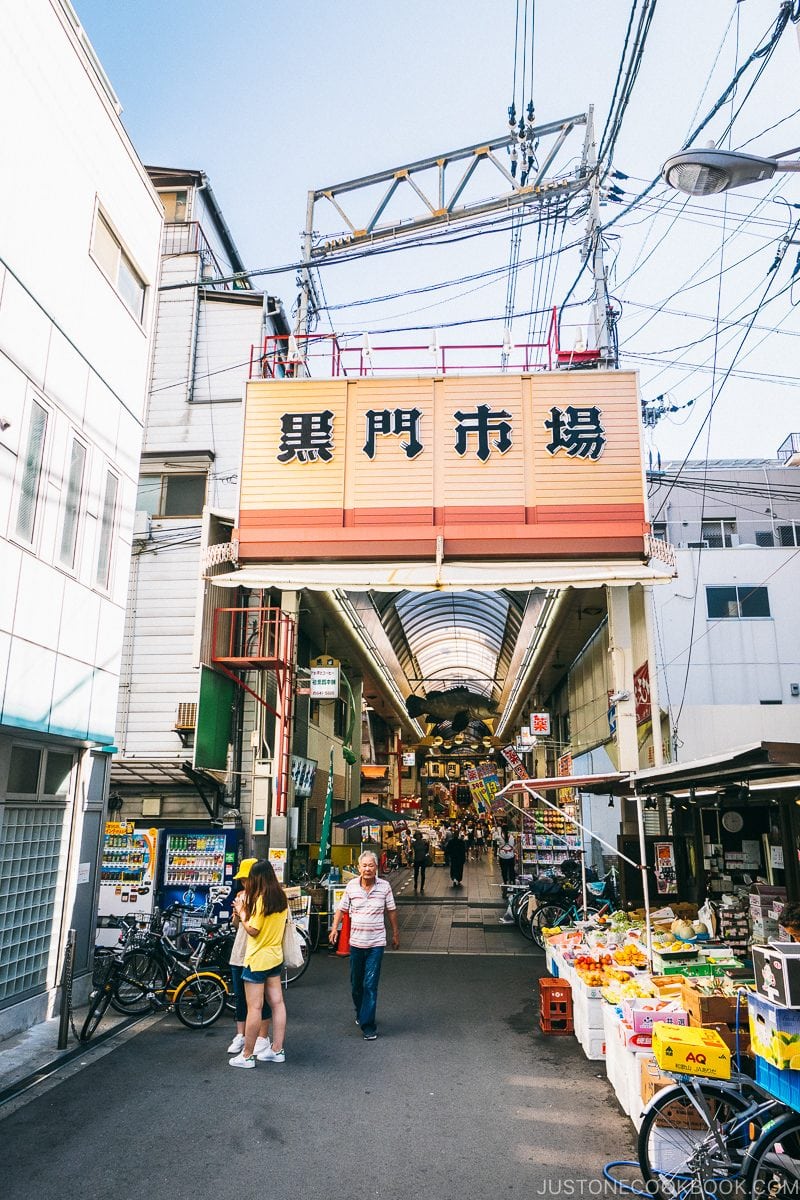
(272, 100)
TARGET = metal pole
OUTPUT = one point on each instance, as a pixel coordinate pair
(66, 991)
(645, 881)
(594, 248)
(572, 820)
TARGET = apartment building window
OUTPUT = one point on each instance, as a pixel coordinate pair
(172, 495)
(32, 466)
(72, 500)
(175, 206)
(106, 530)
(737, 602)
(117, 267)
(718, 534)
(660, 531)
(789, 535)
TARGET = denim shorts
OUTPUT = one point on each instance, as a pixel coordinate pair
(250, 976)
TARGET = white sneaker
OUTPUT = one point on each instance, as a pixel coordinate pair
(241, 1061)
(272, 1056)
(261, 1044)
(236, 1045)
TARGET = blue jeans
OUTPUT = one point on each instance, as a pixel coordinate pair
(365, 971)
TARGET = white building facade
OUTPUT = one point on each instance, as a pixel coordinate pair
(208, 318)
(728, 629)
(78, 274)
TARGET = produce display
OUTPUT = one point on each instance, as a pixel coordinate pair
(630, 956)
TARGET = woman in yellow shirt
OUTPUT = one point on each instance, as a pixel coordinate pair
(263, 910)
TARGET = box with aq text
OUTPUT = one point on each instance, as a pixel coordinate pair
(691, 1051)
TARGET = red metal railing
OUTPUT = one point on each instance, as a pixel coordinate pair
(286, 356)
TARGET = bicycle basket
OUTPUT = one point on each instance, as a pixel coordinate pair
(596, 889)
(102, 967)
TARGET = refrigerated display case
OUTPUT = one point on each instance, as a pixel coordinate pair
(197, 866)
(127, 871)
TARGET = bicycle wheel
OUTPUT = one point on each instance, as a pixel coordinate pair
(547, 916)
(772, 1166)
(520, 909)
(200, 1000)
(140, 975)
(682, 1148)
(292, 974)
(98, 1003)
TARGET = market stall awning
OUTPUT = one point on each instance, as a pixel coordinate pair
(459, 576)
(761, 767)
(581, 783)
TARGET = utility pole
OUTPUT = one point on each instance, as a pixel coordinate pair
(593, 249)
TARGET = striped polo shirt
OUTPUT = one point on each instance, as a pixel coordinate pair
(366, 908)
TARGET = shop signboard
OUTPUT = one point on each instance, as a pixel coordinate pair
(278, 856)
(540, 724)
(664, 853)
(564, 768)
(325, 683)
(641, 692)
(544, 465)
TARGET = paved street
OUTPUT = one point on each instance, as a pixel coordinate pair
(460, 1096)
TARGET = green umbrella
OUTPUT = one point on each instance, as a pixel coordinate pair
(368, 814)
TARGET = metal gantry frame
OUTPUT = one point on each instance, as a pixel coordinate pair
(442, 208)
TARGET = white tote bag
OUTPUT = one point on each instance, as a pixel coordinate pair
(292, 946)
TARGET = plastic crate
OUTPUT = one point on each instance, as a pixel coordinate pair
(783, 1085)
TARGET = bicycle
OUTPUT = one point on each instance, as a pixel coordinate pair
(703, 1133)
(197, 998)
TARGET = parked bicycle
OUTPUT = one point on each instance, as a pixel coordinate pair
(196, 997)
(702, 1137)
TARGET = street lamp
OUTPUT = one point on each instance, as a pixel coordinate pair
(704, 172)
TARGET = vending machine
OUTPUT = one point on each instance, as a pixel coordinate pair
(197, 868)
(127, 873)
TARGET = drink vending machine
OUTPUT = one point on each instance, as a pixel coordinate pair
(197, 868)
(127, 875)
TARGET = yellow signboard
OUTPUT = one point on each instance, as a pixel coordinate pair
(509, 466)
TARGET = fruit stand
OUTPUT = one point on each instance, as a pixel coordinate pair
(617, 1000)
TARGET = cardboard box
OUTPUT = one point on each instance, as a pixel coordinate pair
(668, 985)
(775, 1033)
(633, 1039)
(691, 1051)
(777, 972)
(640, 1014)
(728, 1035)
(710, 1010)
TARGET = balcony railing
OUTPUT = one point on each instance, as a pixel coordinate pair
(286, 356)
(187, 237)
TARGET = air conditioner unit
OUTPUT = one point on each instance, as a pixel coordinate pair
(141, 525)
(735, 539)
(694, 545)
(187, 715)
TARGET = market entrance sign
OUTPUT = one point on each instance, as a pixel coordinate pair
(510, 466)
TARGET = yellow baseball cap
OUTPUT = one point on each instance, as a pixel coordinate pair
(245, 867)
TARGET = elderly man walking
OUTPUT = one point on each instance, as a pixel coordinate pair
(367, 899)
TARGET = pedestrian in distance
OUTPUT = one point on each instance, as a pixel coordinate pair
(263, 910)
(238, 951)
(506, 856)
(368, 900)
(456, 856)
(419, 851)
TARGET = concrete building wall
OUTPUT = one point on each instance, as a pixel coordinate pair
(78, 273)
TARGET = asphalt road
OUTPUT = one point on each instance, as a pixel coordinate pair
(461, 1096)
